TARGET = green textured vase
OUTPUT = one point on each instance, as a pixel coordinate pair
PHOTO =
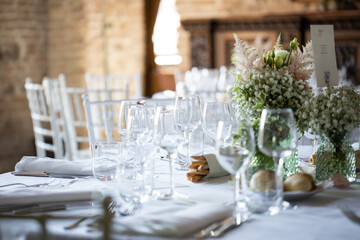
(335, 155)
(291, 164)
(262, 161)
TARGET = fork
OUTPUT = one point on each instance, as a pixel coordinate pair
(350, 214)
(114, 208)
(31, 185)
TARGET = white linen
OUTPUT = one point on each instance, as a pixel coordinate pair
(174, 220)
(317, 217)
(23, 196)
(55, 166)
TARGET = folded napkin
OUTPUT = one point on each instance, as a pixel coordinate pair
(23, 196)
(55, 166)
(205, 167)
(174, 221)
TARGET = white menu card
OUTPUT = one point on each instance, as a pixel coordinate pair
(322, 37)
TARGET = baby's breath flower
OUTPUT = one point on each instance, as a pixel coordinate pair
(333, 112)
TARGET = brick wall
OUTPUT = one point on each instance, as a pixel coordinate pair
(22, 54)
(47, 37)
(99, 36)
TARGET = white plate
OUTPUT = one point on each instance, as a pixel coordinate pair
(299, 195)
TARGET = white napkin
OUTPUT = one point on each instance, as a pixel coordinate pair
(23, 196)
(175, 220)
(55, 166)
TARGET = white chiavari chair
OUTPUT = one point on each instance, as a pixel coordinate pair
(102, 117)
(119, 83)
(47, 117)
(75, 115)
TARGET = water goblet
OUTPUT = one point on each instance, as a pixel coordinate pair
(277, 138)
(168, 137)
(212, 113)
(235, 145)
(187, 117)
(139, 141)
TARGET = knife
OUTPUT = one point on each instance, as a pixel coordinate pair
(46, 207)
(46, 174)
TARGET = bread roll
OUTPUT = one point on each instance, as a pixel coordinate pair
(299, 182)
(262, 181)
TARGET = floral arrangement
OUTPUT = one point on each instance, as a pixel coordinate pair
(335, 112)
(273, 79)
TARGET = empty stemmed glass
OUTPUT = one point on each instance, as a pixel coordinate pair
(139, 132)
(277, 138)
(212, 114)
(235, 145)
(187, 117)
(123, 112)
(277, 133)
(168, 137)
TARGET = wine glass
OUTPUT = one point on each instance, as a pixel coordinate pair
(235, 145)
(187, 117)
(168, 137)
(122, 126)
(212, 113)
(277, 138)
(277, 133)
(139, 131)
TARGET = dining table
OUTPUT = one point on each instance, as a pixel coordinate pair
(308, 217)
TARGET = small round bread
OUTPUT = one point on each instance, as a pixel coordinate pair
(357, 158)
(299, 182)
(262, 181)
(312, 159)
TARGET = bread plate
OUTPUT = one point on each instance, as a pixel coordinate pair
(300, 195)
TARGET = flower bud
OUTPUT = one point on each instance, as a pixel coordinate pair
(294, 43)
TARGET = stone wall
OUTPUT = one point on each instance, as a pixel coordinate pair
(22, 54)
(47, 37)
(99, 36)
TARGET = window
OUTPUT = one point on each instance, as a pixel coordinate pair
(165, 36)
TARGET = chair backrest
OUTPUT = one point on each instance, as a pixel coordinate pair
(75, 115)
(75, 120)
(118, 83)
(47, 117)
(102, 119)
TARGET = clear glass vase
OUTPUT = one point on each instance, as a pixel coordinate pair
(335, 155)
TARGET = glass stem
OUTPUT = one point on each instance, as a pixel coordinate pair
(171, 161)
(237, 212)
(188, 147)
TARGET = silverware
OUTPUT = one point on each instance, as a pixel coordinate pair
(350, 214)
(76, 224)
(206, 231)
(114, 209)
(45, 207)
(38, 209)
(29, 185)
(226, 226)
(46, 174)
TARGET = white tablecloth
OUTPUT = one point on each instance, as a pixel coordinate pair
(318, 217)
